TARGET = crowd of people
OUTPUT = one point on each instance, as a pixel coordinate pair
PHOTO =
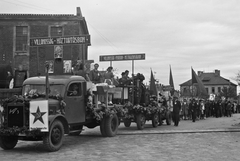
(198, 109)
(202, 109)
(96, 76)
(185, 109)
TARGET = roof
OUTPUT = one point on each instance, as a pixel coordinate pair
(37, 17)
(56, 79)
(210, 79)
(48, 17)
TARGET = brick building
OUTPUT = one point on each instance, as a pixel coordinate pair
(213, 83)
(27, 41)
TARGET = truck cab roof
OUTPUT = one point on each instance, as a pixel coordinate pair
(54, 79)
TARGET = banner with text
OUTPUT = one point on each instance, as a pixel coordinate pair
(122, 57)
(60, 40)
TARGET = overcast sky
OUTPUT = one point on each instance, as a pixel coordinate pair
(203, 34)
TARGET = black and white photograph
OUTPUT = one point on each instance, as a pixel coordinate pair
(51, 66)
(128, 80)
(58, 51)
(67, 66)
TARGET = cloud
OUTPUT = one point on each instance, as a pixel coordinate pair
(201, 34)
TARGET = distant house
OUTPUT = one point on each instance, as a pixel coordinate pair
(213, 83)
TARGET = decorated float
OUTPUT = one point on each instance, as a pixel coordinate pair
(48, 108)
(138, 105)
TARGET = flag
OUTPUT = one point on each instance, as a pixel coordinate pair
(194, 77)
(201, 91)
(153, 88)
(171, 82)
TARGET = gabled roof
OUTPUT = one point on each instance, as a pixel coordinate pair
(210, 79)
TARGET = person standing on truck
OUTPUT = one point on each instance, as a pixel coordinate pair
(94, 74)
(125, 80)
(108, 78)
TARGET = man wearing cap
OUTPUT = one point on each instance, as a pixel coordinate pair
(94, 74)
(176, 110)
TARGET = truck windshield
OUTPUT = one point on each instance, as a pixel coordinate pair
(32, 89)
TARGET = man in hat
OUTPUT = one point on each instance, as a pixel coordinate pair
(94, 74)
(176, 110)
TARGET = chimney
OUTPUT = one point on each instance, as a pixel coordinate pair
(79, 13)
(217, 72)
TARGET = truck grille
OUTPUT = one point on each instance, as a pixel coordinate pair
(15, 115)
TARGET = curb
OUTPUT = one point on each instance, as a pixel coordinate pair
(179, 131)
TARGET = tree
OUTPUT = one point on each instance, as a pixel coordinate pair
(237, 78)
(227, 92)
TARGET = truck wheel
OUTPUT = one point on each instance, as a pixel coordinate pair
(159, 119)
(53, 140)
(8, 142)
(140, 120)
(127, 122)
(102, 127)
(111, 125)
(168, 118)
(155, 120)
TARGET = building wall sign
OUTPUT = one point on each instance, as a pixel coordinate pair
(60, 40)
(122, 57)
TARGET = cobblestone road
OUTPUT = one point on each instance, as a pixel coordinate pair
(148, 144)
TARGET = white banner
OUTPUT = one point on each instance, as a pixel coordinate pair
(212, 97)
(38, 116)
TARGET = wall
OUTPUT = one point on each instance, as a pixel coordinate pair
(34, 58)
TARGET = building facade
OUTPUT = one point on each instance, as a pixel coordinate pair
(28, 41)
(212, 81)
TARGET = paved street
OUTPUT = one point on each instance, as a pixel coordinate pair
(207, 140)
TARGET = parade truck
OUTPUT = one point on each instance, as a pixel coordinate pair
(52, 106)
(138, 105)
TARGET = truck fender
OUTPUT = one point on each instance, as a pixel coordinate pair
(60, 117)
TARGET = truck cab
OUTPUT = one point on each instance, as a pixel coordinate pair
(62, 87)
(47, 116)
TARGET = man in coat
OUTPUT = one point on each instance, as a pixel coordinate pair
(185, 109)
(176, 110)
(193, 107)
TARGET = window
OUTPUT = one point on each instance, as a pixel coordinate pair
(206, 90)
(184, 90)
(56, 31)
(31, 89)
(21, 38)
(213, 89)
(74, 90)
(219, 89)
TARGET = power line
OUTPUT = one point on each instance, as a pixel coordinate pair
(105, 39)
(27, 5)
